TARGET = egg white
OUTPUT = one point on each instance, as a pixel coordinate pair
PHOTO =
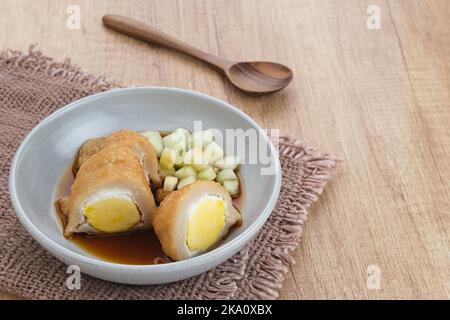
(184, 222)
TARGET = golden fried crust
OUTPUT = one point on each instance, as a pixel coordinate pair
(87, 150)
(139, 144)
(167, 214)
(111, 167)
(164, 222)
(107, 160)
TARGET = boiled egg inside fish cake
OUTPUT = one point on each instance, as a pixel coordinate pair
(194, 219)
(114, 211)
(110, 194)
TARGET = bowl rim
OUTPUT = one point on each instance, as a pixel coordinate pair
(58, 249)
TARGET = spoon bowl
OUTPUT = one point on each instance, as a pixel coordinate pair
(252, 77)
(259, 76)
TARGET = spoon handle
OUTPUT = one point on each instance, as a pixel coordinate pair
(144, 32)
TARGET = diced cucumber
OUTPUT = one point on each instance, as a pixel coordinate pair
(200, 166)
(185, 172)
(165, 173)
(170, 183)
(185, 181)
(194, 158)
(184, 131)
(226, 174)
(207, 174)
(154, 137)
(200, 139)
(232, 186)
(213, 152)
(179, 164)
(179, 159)
(175, 141)
(228, 162)
(168, 159)
(180, 147)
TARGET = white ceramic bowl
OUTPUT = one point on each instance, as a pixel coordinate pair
(50, 148)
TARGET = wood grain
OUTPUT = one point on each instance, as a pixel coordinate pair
(255, 77)
(379, 99)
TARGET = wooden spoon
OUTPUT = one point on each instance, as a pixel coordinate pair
(253, 77)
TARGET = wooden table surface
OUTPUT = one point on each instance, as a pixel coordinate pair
(377, 98)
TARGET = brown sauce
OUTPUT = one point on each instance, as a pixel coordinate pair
(136, 248)
(140, 247)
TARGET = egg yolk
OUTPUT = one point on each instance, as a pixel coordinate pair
(206, 224)
(112, 215)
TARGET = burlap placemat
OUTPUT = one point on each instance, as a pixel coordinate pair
(31, 87)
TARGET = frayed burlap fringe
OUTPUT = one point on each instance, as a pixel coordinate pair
(271, 250)
(35, 61)
(256, 272)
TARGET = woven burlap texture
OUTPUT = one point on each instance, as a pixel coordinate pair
(32, 86)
